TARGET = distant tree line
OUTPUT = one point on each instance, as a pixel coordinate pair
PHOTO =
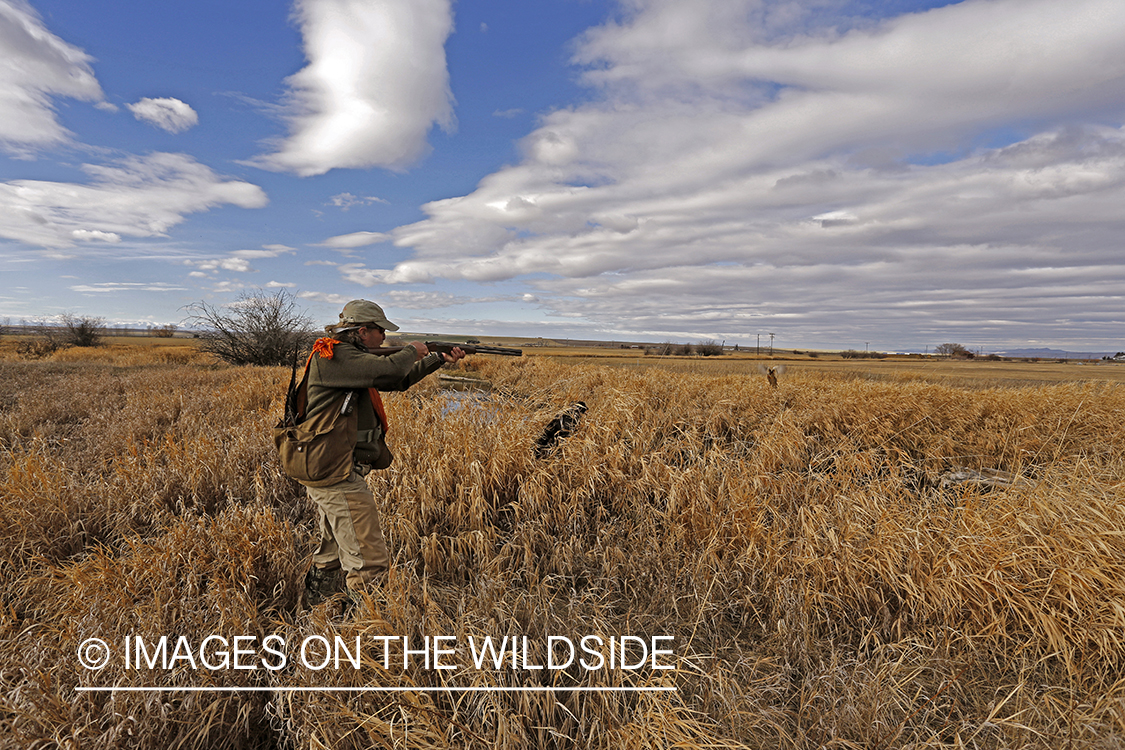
(953, 351)
(706, 348)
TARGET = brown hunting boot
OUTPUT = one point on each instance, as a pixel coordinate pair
(322, 584)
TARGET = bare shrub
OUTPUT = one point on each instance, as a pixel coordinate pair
(40, 340)
(954, 351)
(39, 346)
(669, 349)
(257, 329)
(164, 331)
(82, 330)
(709, 348)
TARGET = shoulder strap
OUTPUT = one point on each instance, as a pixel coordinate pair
(297, 399)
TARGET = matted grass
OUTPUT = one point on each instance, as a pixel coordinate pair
(824, 586)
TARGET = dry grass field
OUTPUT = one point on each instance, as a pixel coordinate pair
(979, 373)
(846, 561)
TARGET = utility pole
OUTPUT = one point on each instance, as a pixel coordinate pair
(771, 344)
(758, 349)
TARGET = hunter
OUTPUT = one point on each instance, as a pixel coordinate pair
(352, 553)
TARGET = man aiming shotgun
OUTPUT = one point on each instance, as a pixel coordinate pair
(334, 434)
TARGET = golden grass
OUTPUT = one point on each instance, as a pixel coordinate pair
(123, 351)
(824, 588)
(964, 373)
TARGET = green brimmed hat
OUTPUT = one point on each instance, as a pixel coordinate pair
(359, 312)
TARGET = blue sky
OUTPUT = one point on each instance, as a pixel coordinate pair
(899, 173)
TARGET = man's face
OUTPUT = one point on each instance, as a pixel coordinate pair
(371, 336)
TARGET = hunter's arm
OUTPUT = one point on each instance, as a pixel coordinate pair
(353, 368)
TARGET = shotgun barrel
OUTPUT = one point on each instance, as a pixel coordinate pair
(445, 347)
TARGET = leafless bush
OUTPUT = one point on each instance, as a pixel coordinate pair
(41, 340)
(39, 346)
(660, 350)
(82, 330)
(955, 351)
(709, 348)
(164, 331)
(257, 329)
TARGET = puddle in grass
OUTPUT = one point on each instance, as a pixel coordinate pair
(468, 393)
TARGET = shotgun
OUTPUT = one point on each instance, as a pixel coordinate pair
(446, 347)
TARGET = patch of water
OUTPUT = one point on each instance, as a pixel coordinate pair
(481, 404)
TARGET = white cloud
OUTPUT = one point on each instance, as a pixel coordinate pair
(136, 197)
(166, 113)
(400, 298)
(375, 84)
(280, 285)
(35, 65)
(344, 201)
(772, 166)
(267, 251)
(354, 240)
(94, 235)
(332, 299)
(125, 286)
(409, 300)
(237, 265)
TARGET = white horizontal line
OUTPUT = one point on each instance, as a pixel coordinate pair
(376, 689)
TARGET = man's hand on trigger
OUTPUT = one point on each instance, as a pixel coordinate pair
(421, 349)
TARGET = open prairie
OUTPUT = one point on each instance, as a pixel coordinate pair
(979, 373)
(860, 558)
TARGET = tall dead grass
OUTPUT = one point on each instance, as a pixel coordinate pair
(824, 587)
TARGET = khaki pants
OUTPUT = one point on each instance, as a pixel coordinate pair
(350, 534)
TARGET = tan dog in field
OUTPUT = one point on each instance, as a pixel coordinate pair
(771, 373)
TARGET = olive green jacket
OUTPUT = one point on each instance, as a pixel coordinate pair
(352, 367)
